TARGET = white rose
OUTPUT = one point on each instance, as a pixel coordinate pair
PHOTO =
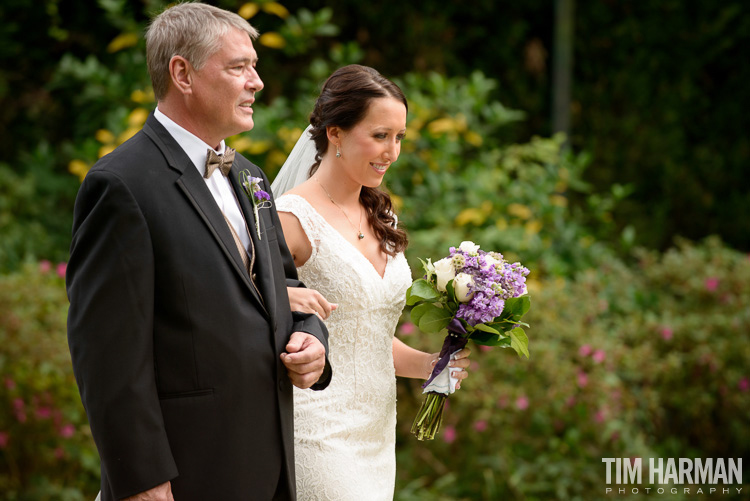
(461, 285)
(469, 247)
(490, 261)
(444, 272)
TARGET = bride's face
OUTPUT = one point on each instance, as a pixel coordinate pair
(371, 146)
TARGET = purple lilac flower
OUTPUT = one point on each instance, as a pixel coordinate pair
(492, 285)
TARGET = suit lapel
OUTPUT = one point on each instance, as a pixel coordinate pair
(199, 196)
(264, 279)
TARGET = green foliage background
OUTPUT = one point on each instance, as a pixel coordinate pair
(633, 352)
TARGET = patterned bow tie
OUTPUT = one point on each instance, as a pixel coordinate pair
(223, 162)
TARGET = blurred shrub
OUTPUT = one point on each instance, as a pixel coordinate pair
(46, 449)
(459, 178)
(643, 361)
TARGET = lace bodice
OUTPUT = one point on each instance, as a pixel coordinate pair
(345, 434)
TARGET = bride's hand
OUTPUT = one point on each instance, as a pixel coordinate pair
(459, 361)
(310, 301)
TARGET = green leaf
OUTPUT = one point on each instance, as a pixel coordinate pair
(517, 306)
(489, 339)
(486, 328)
(519, 341)
(421, 290)
(431, 318)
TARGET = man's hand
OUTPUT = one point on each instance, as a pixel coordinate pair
(310, 301)
(305, 359)
(161, 492)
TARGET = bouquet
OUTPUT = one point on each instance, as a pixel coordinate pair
(475, 295)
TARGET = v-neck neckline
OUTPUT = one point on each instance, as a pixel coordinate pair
(342, 237)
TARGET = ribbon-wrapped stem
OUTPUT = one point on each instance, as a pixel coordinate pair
(430, 415)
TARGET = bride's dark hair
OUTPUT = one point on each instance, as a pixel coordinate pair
(343, 102)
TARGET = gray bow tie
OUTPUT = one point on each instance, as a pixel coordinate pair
(223, 162)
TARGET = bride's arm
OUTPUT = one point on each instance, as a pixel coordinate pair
(418, 364)
(296, 239)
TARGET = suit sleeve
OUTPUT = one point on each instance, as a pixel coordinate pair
(303, 322)
(110, 281)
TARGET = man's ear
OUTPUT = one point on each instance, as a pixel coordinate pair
(181, 74)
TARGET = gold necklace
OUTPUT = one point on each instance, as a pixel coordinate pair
(360, 235)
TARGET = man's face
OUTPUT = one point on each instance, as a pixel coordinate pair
(223, 91)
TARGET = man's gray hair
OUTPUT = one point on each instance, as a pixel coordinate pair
(192, 30)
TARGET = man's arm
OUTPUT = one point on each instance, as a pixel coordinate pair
(110, 281)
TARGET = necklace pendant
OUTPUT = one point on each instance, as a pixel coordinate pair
(361, 235)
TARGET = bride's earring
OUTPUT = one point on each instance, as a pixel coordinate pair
(338, 151)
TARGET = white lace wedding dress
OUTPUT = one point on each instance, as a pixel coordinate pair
(345, 435)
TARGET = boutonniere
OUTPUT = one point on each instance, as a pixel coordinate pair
(259, 198)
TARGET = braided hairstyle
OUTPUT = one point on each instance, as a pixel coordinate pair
(343, 102)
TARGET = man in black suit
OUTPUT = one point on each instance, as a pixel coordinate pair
(183, 343)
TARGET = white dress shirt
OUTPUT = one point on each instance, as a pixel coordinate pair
(219, 186)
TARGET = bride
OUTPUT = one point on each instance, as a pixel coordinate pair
(341, 230)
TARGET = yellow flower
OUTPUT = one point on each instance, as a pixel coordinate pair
(470, 215)
(78, 168)
(501, 224)
(519, 211)
(239, 143)
(104, 136)
(533, 227)
(473, 138)
(259, 147)
(142, 97)
(248, 10)
(275, 159)
(122, 41)
(106, 150)
(289, 136)
(441, 125)
(558, 200)
(276, 8)
(398, 202)
(127, 134)
(272, 40)
(138, 117)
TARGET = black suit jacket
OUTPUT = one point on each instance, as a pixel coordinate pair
(175, 352)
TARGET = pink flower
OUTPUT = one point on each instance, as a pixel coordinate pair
(571, 401)
(599, 356)
(449, 434)
(18, 404)
(599, 416)
(407, 328)
(522, 402)
(43, 412)
(61, 269)
(485, 348)
(480, 425)
(711, 284)
(59, 453)
(21, 416)
(502, 402)
(10, 384)
(583, 379)
(744, 384)
(4, 439)
(45, 266)
(666, 333)
(584, 350)
(67, 431)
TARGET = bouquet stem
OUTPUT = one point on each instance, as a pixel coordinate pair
(429, 417)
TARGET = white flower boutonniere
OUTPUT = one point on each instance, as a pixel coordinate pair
(259, 198)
